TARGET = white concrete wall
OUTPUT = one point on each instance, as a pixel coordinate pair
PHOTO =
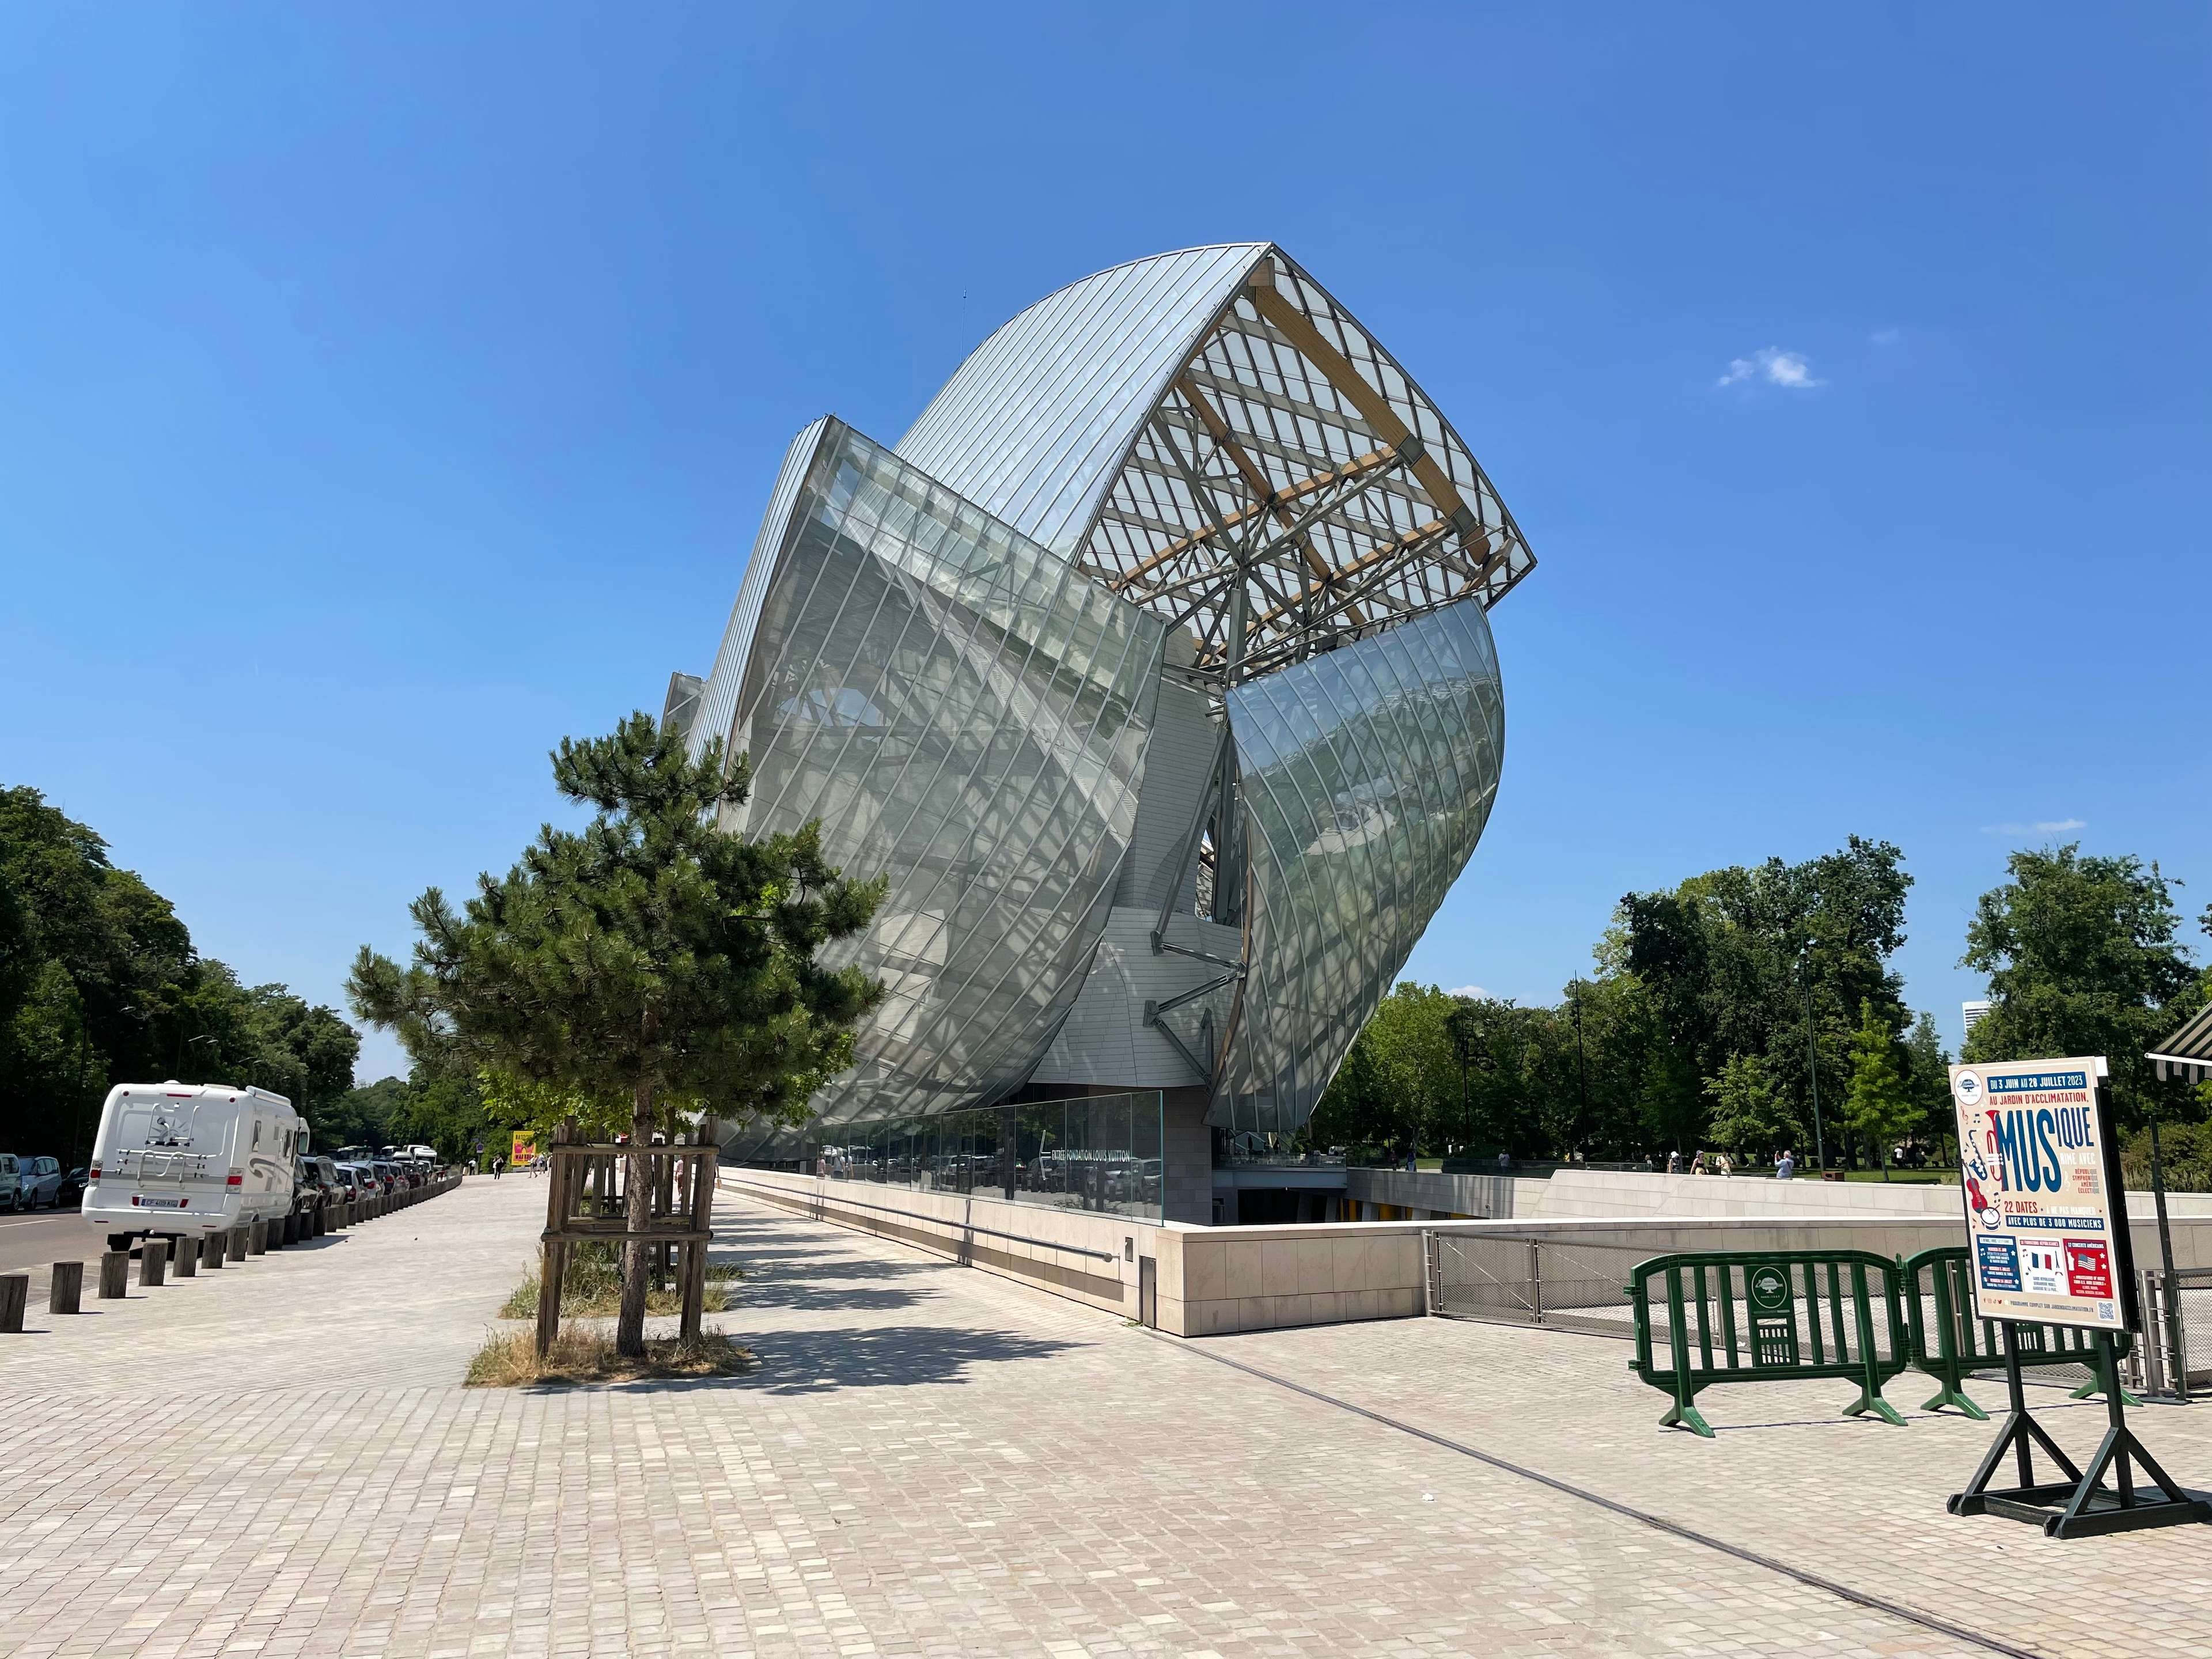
(1598, 1194)
(964, 1228)
(1215, 1279)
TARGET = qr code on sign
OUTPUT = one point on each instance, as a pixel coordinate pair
(2104, 1310)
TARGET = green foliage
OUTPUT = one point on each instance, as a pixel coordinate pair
(1879, 1107)
(649, 958)
(2185, 1155)
(100, 985)
(1749, 1117)
(1772, 961)
(1537, 1082)
(427, 1107)
(591, 1281)
(1694, 1030)
(1399, 1087)
(2082, 958)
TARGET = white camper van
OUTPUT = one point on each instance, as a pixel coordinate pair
(187, 1158)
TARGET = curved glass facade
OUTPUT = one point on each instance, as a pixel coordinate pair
(961, 712)
(995, 665)
(1366, 777)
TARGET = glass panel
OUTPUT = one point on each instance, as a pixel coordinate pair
(1367, 776)
(1098, 1153)
(964, 713)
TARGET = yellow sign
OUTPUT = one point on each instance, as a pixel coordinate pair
(525, 1147)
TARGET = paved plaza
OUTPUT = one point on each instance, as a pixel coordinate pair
(277, 1459)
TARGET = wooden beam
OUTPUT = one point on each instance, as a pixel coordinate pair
(1412, 542)
(1351, 470)
(1261, 489)
(1298, 328)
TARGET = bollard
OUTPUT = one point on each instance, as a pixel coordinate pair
(280, 1230)
(292, 1219)
(187, 1264)
(234, 1243)
(318, 1219)
(257, 1237)
(212, 1249)
(66, 1294)
(14, 1296)
(153, 1260)
(114, 1275)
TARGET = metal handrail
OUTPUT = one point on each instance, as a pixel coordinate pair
(965, 1226)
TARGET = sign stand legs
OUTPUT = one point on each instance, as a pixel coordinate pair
(2089, 1507)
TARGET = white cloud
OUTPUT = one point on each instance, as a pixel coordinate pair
(1774, 365)
(1884, 336)
(1473, 991)
(2043, 827)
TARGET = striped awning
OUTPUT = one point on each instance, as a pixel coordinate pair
(2188, 1052)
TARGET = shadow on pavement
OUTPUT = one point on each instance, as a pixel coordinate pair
(817, 1362)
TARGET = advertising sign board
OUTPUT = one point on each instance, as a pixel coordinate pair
(2046, 1217)
(525, 1148)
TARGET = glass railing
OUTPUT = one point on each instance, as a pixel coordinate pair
(1100, 1153)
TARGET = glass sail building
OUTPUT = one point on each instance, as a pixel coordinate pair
(1152, 666)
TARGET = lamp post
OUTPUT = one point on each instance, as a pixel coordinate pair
(1582, 1068)
(1812, 1057)
(1463, 1047)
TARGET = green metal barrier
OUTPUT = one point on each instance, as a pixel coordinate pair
(1962, 1343)
(1786, 1297)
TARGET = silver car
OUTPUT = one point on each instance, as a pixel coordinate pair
(11, 1183)
(39, 1183)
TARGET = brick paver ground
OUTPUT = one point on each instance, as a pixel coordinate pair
(276, 1460)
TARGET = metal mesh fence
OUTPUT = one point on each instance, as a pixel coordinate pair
(2175, 1357)
(1527, 1280)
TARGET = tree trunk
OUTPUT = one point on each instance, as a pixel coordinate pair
(630, 1326)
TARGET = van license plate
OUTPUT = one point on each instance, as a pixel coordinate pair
(156, 1202)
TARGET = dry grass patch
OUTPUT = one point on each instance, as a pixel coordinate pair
(591, 1288)
(509, 1359)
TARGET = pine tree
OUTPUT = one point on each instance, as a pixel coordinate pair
(647, 959)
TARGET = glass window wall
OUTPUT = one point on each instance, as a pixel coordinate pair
(1100, 1153)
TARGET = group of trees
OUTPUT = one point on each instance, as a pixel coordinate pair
(100, 985)
(646, 968)
(1723, 1009)
(446, 1109)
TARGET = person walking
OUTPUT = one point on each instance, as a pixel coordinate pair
(497, 1165)
(1787, 1169)
(1674, 1161)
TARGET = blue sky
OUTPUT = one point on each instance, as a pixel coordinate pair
(388, 391)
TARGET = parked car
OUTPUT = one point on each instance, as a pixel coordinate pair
(387, 1176)
(73, 1186)
(315, 1182)
(11, 1183)
(40, 1182)
(353, 1181)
